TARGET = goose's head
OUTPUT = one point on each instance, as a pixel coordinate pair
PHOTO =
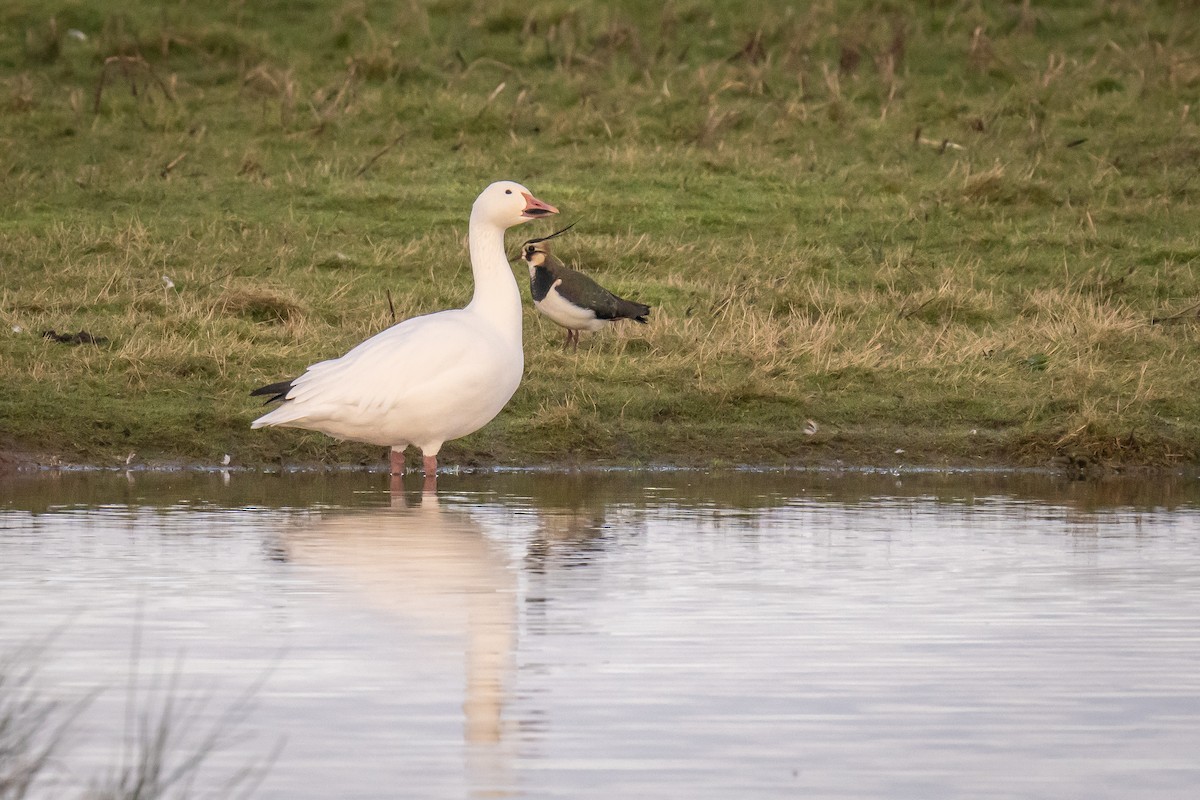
(506, 204)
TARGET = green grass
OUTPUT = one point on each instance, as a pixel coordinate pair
(968, 231)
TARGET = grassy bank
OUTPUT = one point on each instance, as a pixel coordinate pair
(968, 231)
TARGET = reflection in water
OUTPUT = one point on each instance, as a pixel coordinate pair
(565, 538)
(648, 635)
(436, 570)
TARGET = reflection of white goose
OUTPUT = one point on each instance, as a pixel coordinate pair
(437, 570)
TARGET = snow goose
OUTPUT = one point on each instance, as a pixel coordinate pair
(570, 298)
(428, 379)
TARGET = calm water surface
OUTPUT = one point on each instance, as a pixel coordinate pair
(614, 636)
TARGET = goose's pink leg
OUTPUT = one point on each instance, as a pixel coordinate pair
(396, 470)
(430, 474)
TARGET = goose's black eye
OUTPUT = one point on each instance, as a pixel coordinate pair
(508, 191)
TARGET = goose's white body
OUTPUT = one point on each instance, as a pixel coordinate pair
(424, 381)
(432, 378)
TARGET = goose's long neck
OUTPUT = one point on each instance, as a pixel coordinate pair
(497, 297)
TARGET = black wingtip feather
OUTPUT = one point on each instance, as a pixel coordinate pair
(639, 312)
(273, 391)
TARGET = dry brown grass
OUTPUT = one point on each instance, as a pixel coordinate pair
(904, 226)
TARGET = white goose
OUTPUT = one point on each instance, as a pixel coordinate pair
(428, 379)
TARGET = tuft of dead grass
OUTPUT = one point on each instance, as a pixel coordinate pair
(260, 305)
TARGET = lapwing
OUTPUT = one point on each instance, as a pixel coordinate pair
(571, 299)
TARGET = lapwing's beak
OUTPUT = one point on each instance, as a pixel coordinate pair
(535, 208)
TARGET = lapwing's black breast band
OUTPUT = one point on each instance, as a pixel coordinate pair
(540, 283)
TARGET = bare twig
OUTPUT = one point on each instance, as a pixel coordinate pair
(942, 145)
(913, 311)
(172, 164)
(1181, 186)
(371, 161)
(491, 98)
(391, 306)
(1191, 311)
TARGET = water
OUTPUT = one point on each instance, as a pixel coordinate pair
(614, 636)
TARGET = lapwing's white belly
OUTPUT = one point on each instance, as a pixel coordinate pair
(568, 315)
